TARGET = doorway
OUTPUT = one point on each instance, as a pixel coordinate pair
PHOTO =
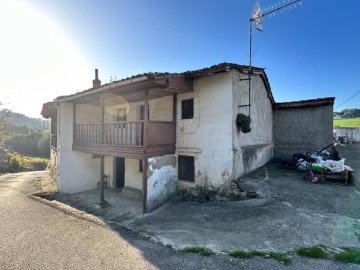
(119, 172)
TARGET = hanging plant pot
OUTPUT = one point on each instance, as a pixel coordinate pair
(243, 122)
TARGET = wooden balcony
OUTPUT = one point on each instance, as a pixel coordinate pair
(135, 139)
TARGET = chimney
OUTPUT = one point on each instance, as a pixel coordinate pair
(96, 82)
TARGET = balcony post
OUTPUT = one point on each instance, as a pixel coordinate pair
(144, 182)
(146, 120)
(74, 122)
(102, 192)
(174, 114)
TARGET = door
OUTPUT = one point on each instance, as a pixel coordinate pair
(120, 172)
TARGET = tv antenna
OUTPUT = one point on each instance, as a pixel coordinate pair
(257, 16)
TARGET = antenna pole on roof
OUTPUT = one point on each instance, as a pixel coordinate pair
(257, 16)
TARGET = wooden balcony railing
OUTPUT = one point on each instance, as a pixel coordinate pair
(125, 133)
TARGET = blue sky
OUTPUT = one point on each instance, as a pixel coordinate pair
(308, 52)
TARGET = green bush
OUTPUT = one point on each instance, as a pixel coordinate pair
(15, 162)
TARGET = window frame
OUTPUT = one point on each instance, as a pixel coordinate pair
(181, 168)
(185, 106)
(121, 116)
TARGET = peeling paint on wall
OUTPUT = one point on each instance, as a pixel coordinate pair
(161, 180)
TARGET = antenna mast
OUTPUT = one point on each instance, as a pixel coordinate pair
(257, 16)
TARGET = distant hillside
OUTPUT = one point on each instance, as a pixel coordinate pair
(21, 119)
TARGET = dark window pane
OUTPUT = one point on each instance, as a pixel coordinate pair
(187, 109)
(186, 168)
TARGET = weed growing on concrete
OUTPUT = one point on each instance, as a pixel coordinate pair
(282, 258)
(145, 234)
(203, 251)
(168, 246)
(37, 184)
(358, 234)
(239, 254)
(316, 252)
(349, 256)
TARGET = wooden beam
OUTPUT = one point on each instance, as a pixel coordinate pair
(146, 120)
(144, 182)
(176, 83)
(102, 193)
(74, 120)
(174, 115)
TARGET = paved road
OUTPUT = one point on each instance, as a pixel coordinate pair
(34, 235)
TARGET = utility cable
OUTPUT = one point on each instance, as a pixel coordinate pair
(347, 99)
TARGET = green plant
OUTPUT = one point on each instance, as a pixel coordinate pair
(15, 162)
(168, 246)
(316, 252)
(349, 256)
(282, 258)
(203, 251)
(238, 254)
(243, 122)
(37, 184)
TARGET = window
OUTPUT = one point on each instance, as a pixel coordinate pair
(186, 168)
(187, 109)
(121, 115)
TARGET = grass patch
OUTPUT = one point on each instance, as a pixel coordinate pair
(203, 251)
(347, 122)
(282, 258)
(239, 254)
(349, 256)
(358, 234)
(316, 252)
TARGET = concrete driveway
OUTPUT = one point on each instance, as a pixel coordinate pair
(288, 213)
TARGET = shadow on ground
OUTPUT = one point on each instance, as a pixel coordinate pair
(288, 213)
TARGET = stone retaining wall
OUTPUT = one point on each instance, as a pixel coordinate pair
(351, 134)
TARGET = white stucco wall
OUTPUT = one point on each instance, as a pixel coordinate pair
(208, 136)
(161, 183)
(87, 114)
(253, 149)
(133, 178)
(160, 109)
(77, 171)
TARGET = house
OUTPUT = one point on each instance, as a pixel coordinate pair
(158, 133)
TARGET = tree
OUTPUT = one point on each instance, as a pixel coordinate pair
(348, 113)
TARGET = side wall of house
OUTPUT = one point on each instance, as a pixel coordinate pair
(208, 135)
(255, 148)
(77, 171)
(302, 130)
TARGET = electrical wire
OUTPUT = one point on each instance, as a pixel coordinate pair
(347, 99)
